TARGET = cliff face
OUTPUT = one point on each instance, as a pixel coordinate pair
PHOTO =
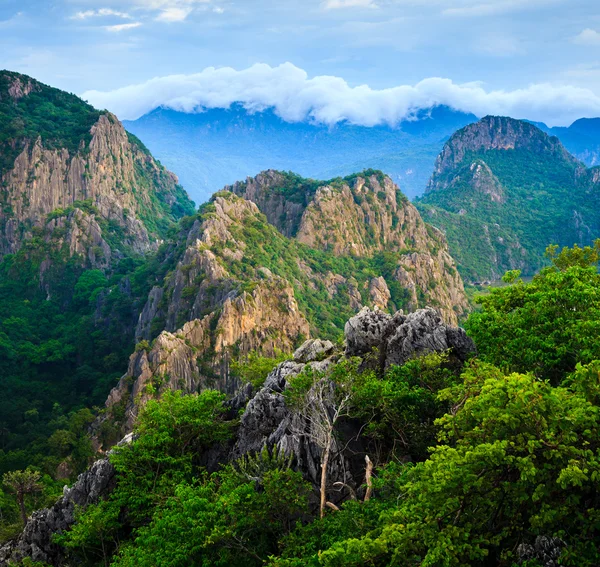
(234, 284)
(361, 216)
(103, 172)
(502, 191)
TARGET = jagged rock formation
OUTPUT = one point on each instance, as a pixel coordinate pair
(233, 284)
(502, 191)
(35, 541)
(546, 551)
(267, 421)
(360, 216)
(400, 337)
(196, 356)
(124, 198)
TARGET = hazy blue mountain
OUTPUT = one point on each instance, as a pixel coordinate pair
(218, 147)
(582, 139)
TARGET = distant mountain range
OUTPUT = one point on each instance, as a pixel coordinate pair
(582, 138)
(215, 148)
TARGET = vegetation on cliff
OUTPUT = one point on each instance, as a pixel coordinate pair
(502, 191)
(29, 109)
(502, 467)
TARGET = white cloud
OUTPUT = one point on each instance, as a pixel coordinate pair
(102, 12)
(174, 14)
(171, 10)
(587, 37)
(122, 27)
(335, 4)
(327, 99)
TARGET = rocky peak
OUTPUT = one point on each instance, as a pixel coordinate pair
(281, 197)
(19, 86)
(363, 215)
(493, 133)
(90, 164)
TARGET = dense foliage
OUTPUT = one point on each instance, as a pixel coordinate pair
(62, 120)
(546, 326)
(471, 464)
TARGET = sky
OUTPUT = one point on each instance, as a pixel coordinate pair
(366, 61)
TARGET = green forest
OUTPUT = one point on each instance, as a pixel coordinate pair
(540, 195)
(473, 464)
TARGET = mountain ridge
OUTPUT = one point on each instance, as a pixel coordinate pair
(217, 147)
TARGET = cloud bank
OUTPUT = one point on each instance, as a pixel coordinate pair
(295, 97)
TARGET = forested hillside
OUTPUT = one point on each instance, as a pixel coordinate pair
(502, 190)
(82, 202)
(429, 454)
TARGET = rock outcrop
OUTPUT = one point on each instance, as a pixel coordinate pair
(35, 541)
(400, 337)
(266, 421)
(363, 215)
(103, 172)
(198, 355)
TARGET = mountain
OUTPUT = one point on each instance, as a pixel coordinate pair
(67, 168)
(582, 139)
(82, 203)
(268, 263)
(219, 146)
(502, 190)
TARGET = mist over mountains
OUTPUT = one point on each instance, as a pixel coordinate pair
(217, 147)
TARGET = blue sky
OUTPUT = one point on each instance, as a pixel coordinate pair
(534, 58)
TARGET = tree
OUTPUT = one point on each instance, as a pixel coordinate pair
(22, 483)
(172, 434)
(322, 399)
(546, 326)
(518, 459)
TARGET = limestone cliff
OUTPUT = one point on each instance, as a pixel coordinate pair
(363, 215)
(87, 162)
(233, 284)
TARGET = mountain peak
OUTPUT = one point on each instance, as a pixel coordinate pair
(493, 133)
(58, 154)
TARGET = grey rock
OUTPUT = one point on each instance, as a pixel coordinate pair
(420, 333)
(314, 349)
(546, 551)
(268, 422)
(365, 330)
(35, 541)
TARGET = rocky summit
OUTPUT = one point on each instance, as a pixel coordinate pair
(74, 177)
